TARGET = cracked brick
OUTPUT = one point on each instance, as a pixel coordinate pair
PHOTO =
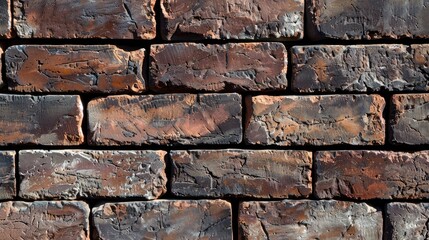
(5, 19)
(7, 175)
(407, 221)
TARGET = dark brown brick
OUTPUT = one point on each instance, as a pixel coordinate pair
(252, 173)
(372, 175)
(7, 175)
(407, 221)
(307, 219)
(410, 119)
(229, 67)
(71, 174)
(188, 119)
(315, 120)
(74, 68)
(44, 120)
(165, 219)
(5, 19)
(329, 68)
(113, 19)
(237, 19)
(54, 220)
(367, 19)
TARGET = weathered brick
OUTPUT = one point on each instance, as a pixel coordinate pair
(113, 19)
(372, 175)
(1, 60)
(234, 19)
(367, 19)
(69, 174)
(56, 220)
(165, 119)
(229, 67)
(165, 219)
(307, 219)
(7, 175)
(410, 119)
(329, 68)
(407, 221)
(44, 120)
(74, 68)
(315, 120)
(5, 19)
(253, 173)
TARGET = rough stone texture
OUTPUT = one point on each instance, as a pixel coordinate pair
(372, 175)
(188, 119)
(165, 219)
(315, 120)
(306, 219)
(330, 68)
(113, 19)
(54, 220)
(1, 65)
(44, 120)
(229, 67)
(410, 119)
(69, 174)
(74, 68)
(7, 175)
(253, 173)
(407, 221)
(5, 19)
(367, 19)
(232, 19)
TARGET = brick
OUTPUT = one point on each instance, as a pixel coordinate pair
(409, 123)
(407, 221)
(307, 219)
(315, 120)
(171, 119)
(251, 173)
(71, 174)
(372, 175)
(331, 68)
(367, 19)
(42, 120)
(74, 68)
(1, 60)
(229, 67)
(56, 220)
(112, 19)
(165, 219)
(7, 175)
(236, 19)
(5, 19)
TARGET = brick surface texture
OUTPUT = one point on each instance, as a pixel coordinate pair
(5, 19)
(7, 175)
(407, 220)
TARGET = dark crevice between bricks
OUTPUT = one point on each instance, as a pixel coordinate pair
(235, 211)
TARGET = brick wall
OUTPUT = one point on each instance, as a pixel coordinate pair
(195, 119)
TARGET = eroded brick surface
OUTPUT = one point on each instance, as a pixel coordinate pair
(74, 68)
(5, 19)
(7, 175)
(68, 174)
(236, 19)
(253, 173)
(229, 67)
(54, 220)
(329, 68)
(45, 120)
(114, 19)
(165, 119)
(407, 221)
(315, 120)
(372, 175)
(307, 219)
(165, 219)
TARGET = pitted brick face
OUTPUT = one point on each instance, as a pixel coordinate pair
(7, 175)
(407, 219)
(5, 19)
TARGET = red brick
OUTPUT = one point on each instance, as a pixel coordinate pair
(252, 173)
(407, 221)
(113, 19)
(74, 68)
(71, 174)
(307, 219)
(54, 220)
(188, 119)
(43, 120)
(315, 120)
(229, 67)
(372, 175)
(7, 175)
(165, 219)
(5, 19)
(237, 19)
